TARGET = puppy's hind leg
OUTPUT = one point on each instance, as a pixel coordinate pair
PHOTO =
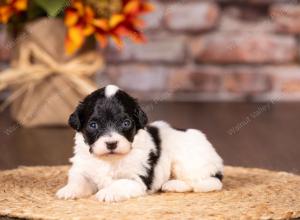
(176, 186)
(206, 185)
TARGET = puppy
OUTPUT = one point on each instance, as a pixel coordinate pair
(118, 156)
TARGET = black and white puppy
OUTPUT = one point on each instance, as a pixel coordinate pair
(118, 156)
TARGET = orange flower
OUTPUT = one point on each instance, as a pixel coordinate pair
(130, 23)
(79, 20)
(82, 22)
(11, 7)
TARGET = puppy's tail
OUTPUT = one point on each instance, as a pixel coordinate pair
(160, 124)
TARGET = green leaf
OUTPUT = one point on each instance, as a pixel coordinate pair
(34, 11)
(52, 7)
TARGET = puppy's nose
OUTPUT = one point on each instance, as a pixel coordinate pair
(111, 145)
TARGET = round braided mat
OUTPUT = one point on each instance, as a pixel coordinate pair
(28, 192)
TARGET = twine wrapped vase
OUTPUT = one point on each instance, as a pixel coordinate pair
(45, 84)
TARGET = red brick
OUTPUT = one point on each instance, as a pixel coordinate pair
(154, 19)
(6, 45)
(279, 82)
(191, 16)
(233, 19)
(286, 78)
(291, 86)
(253, 2)
(233, 79)
(158, 49)
(138, 77)
(244, 48)
(239, 81)
(286, 17)
(202, 79)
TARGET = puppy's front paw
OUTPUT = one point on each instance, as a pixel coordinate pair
(113, 194)
(109, 195)
(71, 192)
(120, 190)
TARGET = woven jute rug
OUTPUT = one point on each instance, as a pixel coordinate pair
(28, 192)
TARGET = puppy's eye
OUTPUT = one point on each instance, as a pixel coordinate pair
(126, 123)
(93, 125)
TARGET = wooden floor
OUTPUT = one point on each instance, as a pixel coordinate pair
(263, 135)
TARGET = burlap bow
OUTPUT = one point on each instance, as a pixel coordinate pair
(34, 65)
(46, 85)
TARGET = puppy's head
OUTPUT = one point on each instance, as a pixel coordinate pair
(108, 120)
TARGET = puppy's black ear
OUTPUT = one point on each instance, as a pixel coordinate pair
(141, 117)
(74, 119)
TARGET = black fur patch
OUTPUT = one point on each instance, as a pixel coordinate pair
(108, 114)
(153, 156)
(219, 176)
(181, 129)
(133, 109)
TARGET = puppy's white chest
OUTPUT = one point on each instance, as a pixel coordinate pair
(102, 172)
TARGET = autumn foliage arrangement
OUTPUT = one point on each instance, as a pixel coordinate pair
(54, 52)
(97, 19)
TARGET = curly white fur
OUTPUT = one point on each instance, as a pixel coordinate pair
(187, 162)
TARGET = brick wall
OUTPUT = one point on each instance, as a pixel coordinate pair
(223, 50)
(214, 50)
